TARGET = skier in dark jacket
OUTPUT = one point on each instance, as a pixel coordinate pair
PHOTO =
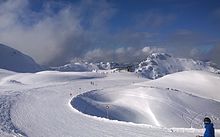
(209, 128)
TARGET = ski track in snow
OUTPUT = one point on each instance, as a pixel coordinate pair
(44, 110)
(84, 103)
(6, 103)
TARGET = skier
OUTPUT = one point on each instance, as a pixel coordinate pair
(209, 128)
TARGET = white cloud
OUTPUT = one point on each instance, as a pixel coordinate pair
(58, 37)
(149, 50)
(120, 50)
(50, 36)
(146, 49)
(127, 54)
(42, 40)
(194, 52)
(82, 30)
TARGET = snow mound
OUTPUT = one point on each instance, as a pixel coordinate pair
(47, 77)
(199, 83)
(160, 64)
(5, 73)
(149, 104)
(14, 60)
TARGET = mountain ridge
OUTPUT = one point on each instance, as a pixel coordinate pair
(156, 65)
(160, 64)
(14, 60)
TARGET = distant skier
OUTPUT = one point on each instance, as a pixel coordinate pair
(209, 128)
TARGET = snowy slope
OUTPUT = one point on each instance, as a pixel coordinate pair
(4, 73)
(14, 60)
(83, 66)
(76, 67)
(199, 83)
(41, 104)
(156, 103)
(160, 64)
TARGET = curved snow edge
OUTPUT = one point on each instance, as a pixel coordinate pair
(6, 103)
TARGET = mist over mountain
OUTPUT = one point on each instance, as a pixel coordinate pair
(156, 65)
(109, 30)
(160, 64)
(14, 60)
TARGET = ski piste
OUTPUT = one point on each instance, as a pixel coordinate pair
(114, 103)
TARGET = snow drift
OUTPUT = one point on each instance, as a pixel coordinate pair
(199, 83)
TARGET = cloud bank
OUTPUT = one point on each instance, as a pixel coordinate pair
(41, 35)
(127, 54)
(58, 32)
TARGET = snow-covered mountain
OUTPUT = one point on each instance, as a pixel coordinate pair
(160, 64)
(79, 66)
(113, 65)
(155, 66)
(14, 60)
(83, 66)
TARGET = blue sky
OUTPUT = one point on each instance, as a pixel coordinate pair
(111, 30)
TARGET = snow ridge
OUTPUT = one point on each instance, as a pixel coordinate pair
(160, 64)
(76, 66)
(155, 66)
(14, 60)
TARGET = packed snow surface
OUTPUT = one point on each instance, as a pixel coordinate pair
(106, 104)
(145, 102)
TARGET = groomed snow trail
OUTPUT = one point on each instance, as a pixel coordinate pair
(43, 108)
(6, 125)
(148, 105)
